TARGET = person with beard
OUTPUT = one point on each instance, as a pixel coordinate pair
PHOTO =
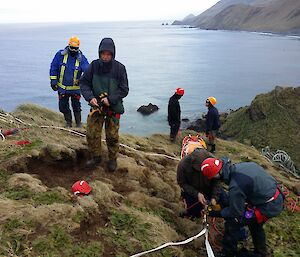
(174, 113)
(65, 70)
(103, 86)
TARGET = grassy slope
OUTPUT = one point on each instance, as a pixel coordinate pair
(129, 211)
(280, 129)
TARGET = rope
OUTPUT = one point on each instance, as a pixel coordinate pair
(83, 135)
(201, 233)
(2, 136)
(290, 203)
(282, 159)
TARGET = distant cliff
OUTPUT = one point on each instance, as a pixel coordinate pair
(277, 16)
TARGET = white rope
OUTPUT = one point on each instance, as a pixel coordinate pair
(209, 250)
(64, 129)
(83, 135)
(2, 136)
(151, 154)
(201, 233)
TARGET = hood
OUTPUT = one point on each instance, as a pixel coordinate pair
(226, 170)
(197, 157)
(107, 44)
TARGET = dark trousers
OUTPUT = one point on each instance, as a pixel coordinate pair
(193, 206)
(232, 236)
(64, 106)
(174, 128)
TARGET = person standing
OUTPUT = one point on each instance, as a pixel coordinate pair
(212, 122)
(174, 113)
(103, 86)
(254, 197)
(65, 70)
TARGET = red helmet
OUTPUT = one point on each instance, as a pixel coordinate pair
(81, 188)
(210, 167)
(179, 91)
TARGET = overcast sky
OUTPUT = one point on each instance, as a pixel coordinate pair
(99, 10)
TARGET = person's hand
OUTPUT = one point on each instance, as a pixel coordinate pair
(105, 101)
(213, 201)
(54, 87)
(213, 213)
(201, 199)
(94, 102)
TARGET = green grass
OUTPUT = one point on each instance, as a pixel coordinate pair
(14, 150)
(19, 193)
(3, 180)
(49, 197)
(283, 234)
(43, 198)
(160, 212)
(127, 232)
(79, 216)
(59, 243)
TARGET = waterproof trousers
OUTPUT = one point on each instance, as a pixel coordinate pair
(64, 105)
(94, 133)
(174, 128)
(232, 235)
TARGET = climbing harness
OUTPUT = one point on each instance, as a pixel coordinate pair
(282, 159)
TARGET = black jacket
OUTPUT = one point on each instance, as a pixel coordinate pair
(114, 71)
(212, 119)
(249, 183)
(174, 111)
(190, 177)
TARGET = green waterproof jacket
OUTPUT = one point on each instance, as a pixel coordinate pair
(106, 77)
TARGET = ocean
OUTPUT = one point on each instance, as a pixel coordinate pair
(232, 66)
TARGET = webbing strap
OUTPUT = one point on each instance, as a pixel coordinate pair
(75, 73)
(62, 73)
(62, 69)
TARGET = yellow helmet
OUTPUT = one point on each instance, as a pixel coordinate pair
(211, 100)
(74, 41)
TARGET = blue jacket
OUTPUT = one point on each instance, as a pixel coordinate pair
(67, 84)
(249, 183)
(212, 119)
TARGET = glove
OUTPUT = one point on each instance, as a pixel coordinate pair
(213, 213)
(54, 87)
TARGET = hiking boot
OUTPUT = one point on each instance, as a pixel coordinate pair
(92, 163)
(112, 165)
(68, 119)
(77, 116)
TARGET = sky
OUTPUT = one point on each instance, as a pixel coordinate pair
(12, 11)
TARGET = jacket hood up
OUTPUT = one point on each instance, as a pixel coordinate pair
(107, 44)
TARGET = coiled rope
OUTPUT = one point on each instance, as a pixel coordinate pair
(282, 159)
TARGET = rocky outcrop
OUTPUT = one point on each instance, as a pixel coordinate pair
(148, 109)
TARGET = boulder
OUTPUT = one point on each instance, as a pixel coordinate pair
(148, 109)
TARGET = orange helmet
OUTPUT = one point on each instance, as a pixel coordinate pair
(211, 100)
(81, 188)
(74, 41)
(179, 91)
(210, 167)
